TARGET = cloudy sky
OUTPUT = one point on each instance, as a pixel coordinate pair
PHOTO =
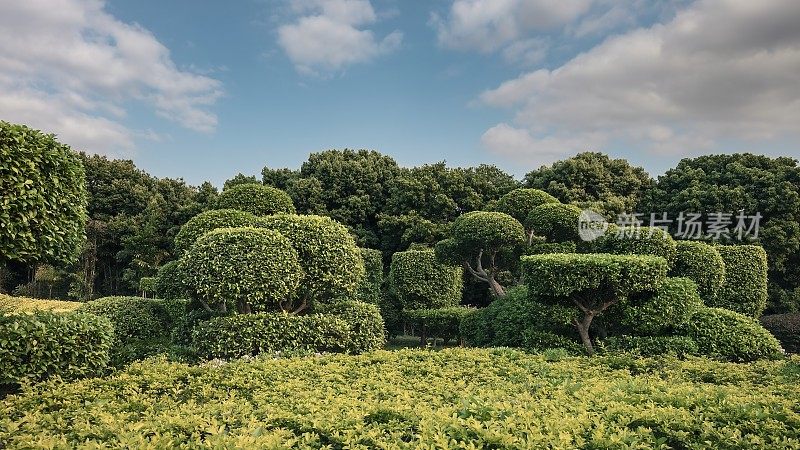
(206, 89)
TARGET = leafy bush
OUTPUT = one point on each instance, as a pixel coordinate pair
(680, 346)
(392, 314)
(147, 284)
(365, 322)
(520, 202)
(730, 335)
(745, 287)
(701, 263)
(420, 281)
(43, 207)
(39, 345)
(556, 222)
(210, 221)
(542, 248)
(132, 317)
(24, 304)
(441, 323)
(270, 333)
(535, 340)
(786, 328)
(169, 282)
(175, 310)
(674, 303)
(331, 262)
(369, 290)
(243, 269)
(454, 398)
(256, 199)
(637, 241)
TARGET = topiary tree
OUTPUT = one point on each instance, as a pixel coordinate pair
(133, 317)
(745, 287)
(169, 282)
(246, 269)
(592, 282)
(701, 263)
(331, 261)
(556, 222)
(369, 290)
(256, 199)
(674, 303)
(479, 241)
(209, 221)
(420, 281)
(43, 200)
(637, 241)
(520, 202)
(727, 334)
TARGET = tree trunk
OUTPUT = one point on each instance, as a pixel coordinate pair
(496, 288)
(583, 330)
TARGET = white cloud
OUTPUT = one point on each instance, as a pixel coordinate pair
(70, 68)
(327, 37)
(719, 71)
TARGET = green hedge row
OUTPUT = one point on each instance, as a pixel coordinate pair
(441, 323)
(729, 335)
(369, 290)
(420, 281)
(745, 287)
(680, 346)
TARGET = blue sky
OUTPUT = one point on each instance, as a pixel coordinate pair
(205, 89)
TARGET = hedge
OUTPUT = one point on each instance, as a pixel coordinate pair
(701, 263)
(640, 241)
(132, 317)
(680, 346)
(556, 222)
(243, 269)
(441, 323)
(24, 304)
(38, 345)
(730, 335)
(369, 290)
(520, 202)
(331, 261)
(147, 285)
(420, 281)
(673, 304)
(169, 282)
(44, 197)
(786, 328)
(366, 332)
(256, 199)
(745, 287)
(454, 398)
(477, 231)
(210, 221)
(542, 248)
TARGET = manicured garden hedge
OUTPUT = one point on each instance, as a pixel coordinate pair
(641, 241)
(22, 304)
(364, 320)
(701, 263)
(673, 303)
(132, 317)
(441, 323)
(210, 221)
(727, 334)
(520, 202)
(169, 282)
(680, 346)
(745, 287)
(454, 398)
(256, 199)
(369, 290)
(420, 281)
(555, 222)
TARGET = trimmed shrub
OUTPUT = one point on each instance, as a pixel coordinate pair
(331, 261)
(786, 328)
(44, 198)
(132, 317)
(542, 340)
(543, 248)
(556, 222)
(369, 290)
(175, 310)
(730, 335)
(674, 303)
(701, 263)
(520, 202)
(210, 221)
(169, 282)
(256, 199)
(147, 285)
(392, 314)
(420, 281)
(269, 333)
(365, 321)
(43, 344)
(24, 304)
(441, 323)
(642, 241)
(243, 269)
(680, 346)
(475, 328)
(745, 287)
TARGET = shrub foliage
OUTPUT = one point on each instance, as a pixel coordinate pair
(730, 335)
(369, 290)
(210, 221)
(701, 263)
(256, 199)
(745, 287)
(420, 281)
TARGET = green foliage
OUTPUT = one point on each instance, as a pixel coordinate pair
(745, 287)
(520, 202)
(366, 324)
(593, 177)
(454, 398)
(147, 284)
(730, 335)
(369, 291)
(637, 241)
(39, 345)
(420, 281)
(22, 304)
(701, 263)
(43, 207)
(541, 248)
(169, 282)
(256, 199)
(392, 314)
(331, 262)
(680, 346)
(175, 310)
(556, 222)
(440, 323)
(674, 303)
(210, 221)
(786, 328)
(132, 317)
(238, 179)
(243, 269)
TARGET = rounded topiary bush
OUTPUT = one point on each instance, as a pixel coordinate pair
(243, 269)
(556, 222)
(169, 282)
(366, 324)
(332, 263)
(209, 221)
(520, 202)
(369, 290)
(701, 263)
(730, 335)
(43, 200)
(642, 241)
(132, 317)
(256, 199)
(674, 303)
(420, 281)
(745, 286)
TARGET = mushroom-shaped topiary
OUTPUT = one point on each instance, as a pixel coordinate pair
(256, 199)
(520, 202)
(209, 221)
(421, 281)
(556, 222)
